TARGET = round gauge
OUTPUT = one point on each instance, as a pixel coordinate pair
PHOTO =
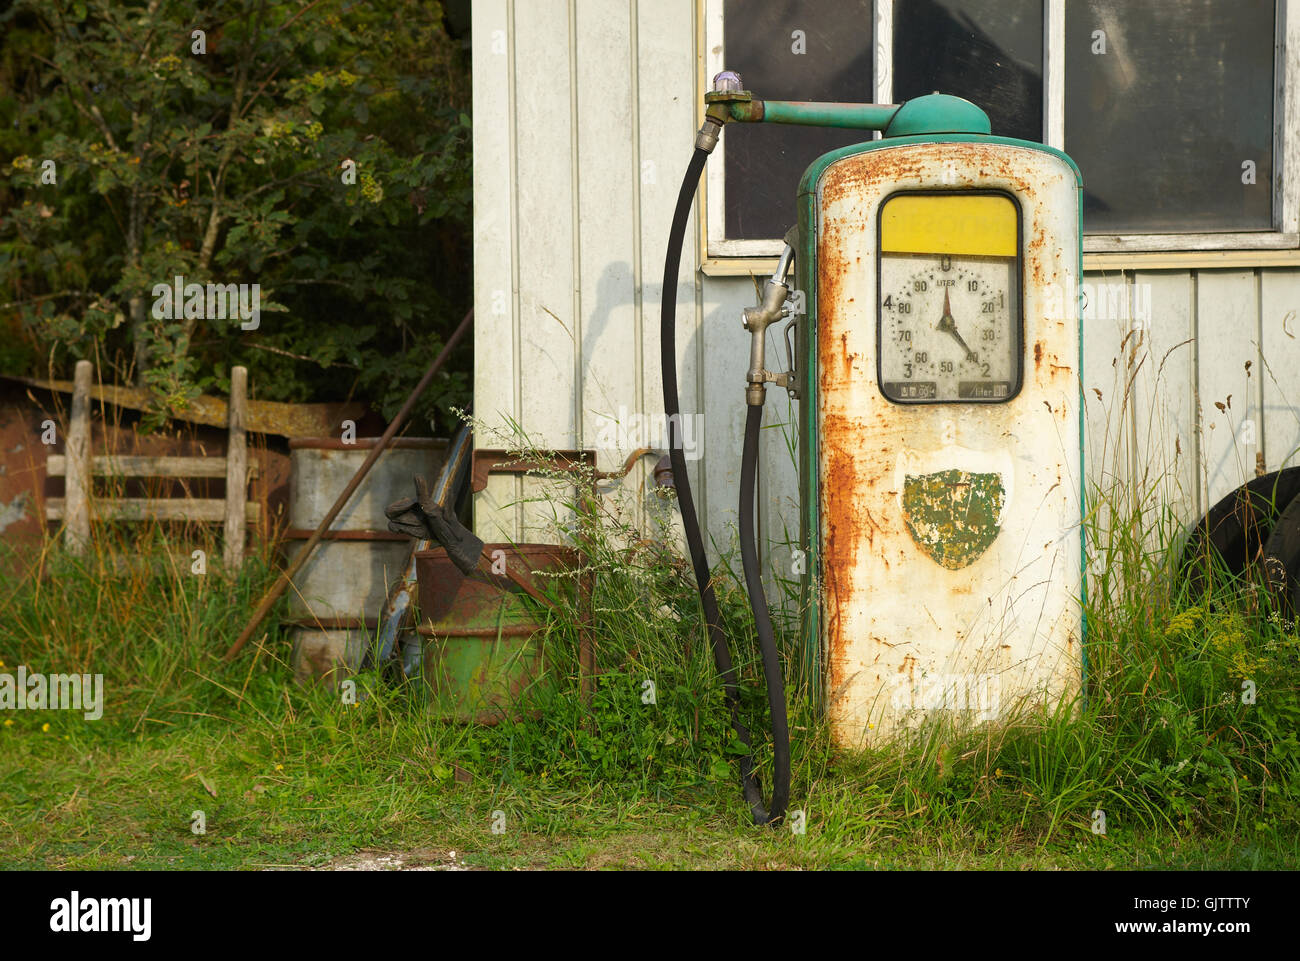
(949, 322)
(948, 328)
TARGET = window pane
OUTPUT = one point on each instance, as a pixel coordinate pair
(1164, 103)
(988, 51)
(789, 50)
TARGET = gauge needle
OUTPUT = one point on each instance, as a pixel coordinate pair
(949, 326)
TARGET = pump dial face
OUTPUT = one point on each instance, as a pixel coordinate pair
(949, 327)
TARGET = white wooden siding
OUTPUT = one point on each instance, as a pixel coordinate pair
(585, 113)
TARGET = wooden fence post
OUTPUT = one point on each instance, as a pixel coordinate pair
(236, 470)
(77, 479)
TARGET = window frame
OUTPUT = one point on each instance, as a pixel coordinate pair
(721, 255)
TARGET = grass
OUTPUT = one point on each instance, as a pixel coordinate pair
(1187, 774)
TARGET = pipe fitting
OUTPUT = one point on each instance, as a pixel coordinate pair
(707, 138)
(757, 320)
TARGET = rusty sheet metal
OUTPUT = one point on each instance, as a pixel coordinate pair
(949, 534)
(495, 461)
(481, 652)
(264, 416)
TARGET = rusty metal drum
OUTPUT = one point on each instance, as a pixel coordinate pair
(482, 632)
(336, 597)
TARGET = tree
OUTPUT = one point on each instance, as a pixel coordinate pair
(317, 150)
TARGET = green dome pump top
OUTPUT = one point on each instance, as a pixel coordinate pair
(937, 113)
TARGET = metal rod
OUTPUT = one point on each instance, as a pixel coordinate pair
(282, 583)
(854, 116)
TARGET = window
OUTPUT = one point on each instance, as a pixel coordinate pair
(1169, 114)
(988, 51)
(1181, 113)
(791, 51)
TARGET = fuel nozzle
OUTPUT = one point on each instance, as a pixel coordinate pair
(757, 319)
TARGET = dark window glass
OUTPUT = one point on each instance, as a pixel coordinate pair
(988, 51)
(789, 50)
(1164, 103)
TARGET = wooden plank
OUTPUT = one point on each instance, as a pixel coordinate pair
(496, 358)
(1108, 422)
(882, 39)
(1280, 332)
(610, 363)
(712, 60)
(666, 106)
(549, 322)
(236, 471)
(77, 484)
(778, 479)
(264, 416)
(1249, 240)
(1192, 260)
(112, 465)
(201, 510)
(1177, 260)
(1164, 392)
(1286, 118)
(1054, 74)
(725, 359)
(1227, 323)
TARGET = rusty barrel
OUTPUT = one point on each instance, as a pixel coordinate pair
(481, 632)
(335, 601)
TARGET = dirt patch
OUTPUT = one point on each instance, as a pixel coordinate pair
(395, 861)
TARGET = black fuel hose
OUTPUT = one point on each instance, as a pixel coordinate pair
(708, 599)
(762, 618)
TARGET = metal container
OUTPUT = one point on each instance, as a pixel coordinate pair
(322, 466)
(481, 650)
(340, 591)
(326, 657)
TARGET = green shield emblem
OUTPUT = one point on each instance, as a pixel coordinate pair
(953, 515)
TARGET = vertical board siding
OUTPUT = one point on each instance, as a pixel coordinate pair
(1227, 324)
(1164, 401)
(665, 134)
(1280, 330)
(1107, 420)
(495, 292)
(726, 358)
(548, 322)
(608, 242)
(586, 112)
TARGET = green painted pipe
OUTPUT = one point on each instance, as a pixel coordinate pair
(931, 114)
(856, 116)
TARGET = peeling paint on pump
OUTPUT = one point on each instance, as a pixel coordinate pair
(946, 535)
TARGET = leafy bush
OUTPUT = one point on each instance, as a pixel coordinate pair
(321, 153)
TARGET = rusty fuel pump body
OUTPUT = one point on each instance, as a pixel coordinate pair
(940, 405)
(943, 527)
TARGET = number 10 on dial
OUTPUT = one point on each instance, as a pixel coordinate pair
(949, 312)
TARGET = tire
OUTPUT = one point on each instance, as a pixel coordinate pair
(1238, 528)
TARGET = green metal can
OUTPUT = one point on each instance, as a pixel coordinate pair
(482, 632)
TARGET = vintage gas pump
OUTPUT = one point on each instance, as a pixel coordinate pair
(940, 406)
